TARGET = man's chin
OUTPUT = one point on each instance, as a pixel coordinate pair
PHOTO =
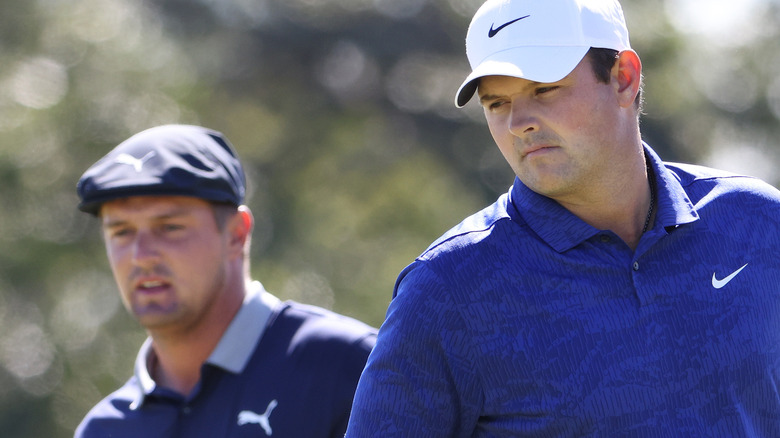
(155, 315)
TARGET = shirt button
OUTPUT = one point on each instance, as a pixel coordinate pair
(636, 266)
(186, 410)
(605, 239)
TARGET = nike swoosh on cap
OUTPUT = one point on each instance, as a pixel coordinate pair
(492, 32)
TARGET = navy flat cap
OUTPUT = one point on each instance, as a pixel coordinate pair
(178, 160)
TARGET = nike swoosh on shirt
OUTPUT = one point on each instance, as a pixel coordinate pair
(717, 284)
(492, 32)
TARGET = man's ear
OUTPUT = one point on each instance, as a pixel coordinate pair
(627, 76)
(240, 228)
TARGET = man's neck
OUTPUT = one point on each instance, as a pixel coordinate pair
(621, 208)
(179, 354)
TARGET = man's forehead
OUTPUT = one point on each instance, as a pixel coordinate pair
(489, 86)
(486, 83)
(151, 206)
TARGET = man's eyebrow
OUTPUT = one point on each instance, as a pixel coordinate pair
(527, 85)
(487, 97)
(113, 223)
(161, 217)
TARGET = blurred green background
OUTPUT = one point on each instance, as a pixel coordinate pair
(342, 112)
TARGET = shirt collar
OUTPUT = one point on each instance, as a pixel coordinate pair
(674, 206)
(554, 224)
(231, 353)
(562, 230)
(246, 329)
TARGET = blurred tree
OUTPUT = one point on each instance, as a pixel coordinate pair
(342, 111)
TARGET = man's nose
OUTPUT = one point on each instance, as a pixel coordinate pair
(145, 250)
(523, 120)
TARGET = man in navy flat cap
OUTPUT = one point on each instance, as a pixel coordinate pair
(224, 358)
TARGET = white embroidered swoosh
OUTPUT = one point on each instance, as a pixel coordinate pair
(717, 284)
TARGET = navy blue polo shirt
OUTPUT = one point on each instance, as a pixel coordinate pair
(280, 369)
(526, 321)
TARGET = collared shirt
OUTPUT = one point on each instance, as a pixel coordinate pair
(526, 321)
(280, 369)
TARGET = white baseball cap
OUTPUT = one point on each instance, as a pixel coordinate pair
(538, 40)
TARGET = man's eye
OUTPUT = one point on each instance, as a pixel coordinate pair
(121, 232)
(543, 90)
(495, 104)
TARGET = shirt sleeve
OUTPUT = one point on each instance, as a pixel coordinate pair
(420, 379)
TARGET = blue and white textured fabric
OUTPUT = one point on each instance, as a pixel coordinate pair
(524, 321)
(281, 370)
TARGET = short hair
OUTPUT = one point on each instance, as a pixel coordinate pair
(223, 211)
(601, 62)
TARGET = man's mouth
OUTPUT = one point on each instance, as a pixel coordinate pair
(149, 286)
(537, 149)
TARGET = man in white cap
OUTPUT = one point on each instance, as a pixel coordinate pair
(608, 293)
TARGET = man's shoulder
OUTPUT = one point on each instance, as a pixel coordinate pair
(112, 410)
(701, 181)
(310, 324)
(467, 252)
(315, 344)
(472, 231)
